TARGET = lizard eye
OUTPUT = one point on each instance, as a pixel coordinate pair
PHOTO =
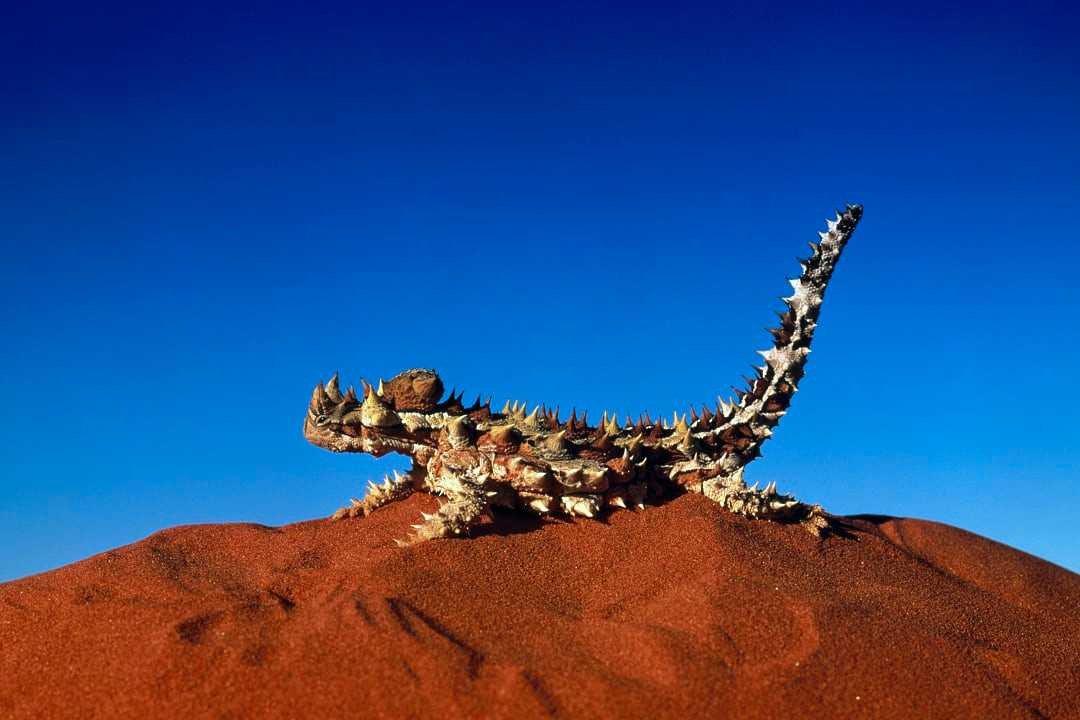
(322, 420)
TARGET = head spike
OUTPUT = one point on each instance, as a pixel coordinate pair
(332, 389)
(350, 395)
(318, 399)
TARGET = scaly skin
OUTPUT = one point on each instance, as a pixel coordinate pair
(477, 458)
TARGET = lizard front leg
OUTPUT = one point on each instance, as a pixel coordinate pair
(397, 488)
(465, 504)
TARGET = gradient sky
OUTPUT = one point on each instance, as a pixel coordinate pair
(205, 211)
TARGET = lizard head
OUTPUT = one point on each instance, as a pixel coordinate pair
(391, 418)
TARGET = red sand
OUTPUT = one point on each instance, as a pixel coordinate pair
(679, 611)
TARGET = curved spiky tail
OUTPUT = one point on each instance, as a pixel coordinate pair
(761, 405)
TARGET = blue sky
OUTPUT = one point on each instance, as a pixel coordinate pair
(206, 210)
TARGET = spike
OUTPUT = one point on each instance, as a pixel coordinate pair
(381, 389)
(539, 505)
(681, 426)
(332, 389)
(556, 441)
(350, 395)
(318, 396)
(618, 501)
(585, 419)
(504, 434)
(693, 414)
(594, 477)
(531, 419)
(612, 427)
(572, 422)
(506, 408)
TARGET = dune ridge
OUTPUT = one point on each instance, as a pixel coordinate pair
(683, 610)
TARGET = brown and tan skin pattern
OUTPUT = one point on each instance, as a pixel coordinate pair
(534, 460)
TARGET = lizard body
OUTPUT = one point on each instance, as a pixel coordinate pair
(477, 458)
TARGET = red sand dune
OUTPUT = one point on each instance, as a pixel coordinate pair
(679, 611)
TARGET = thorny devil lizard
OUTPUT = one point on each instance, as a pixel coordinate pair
(532, 460)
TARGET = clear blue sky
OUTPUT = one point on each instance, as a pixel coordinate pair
(204, 211)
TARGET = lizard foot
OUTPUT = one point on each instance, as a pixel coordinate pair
(453, 518)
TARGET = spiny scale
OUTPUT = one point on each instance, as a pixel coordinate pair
(529, 459)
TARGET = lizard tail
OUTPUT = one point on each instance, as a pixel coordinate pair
(759, 407)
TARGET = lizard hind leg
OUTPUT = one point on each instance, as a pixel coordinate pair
(733, 494)
(397, 488)
(454, 518)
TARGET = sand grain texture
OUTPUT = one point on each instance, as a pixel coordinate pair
(679, 611)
